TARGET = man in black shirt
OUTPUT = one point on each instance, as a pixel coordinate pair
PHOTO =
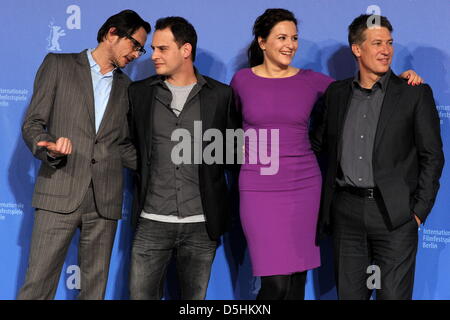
(385, 158)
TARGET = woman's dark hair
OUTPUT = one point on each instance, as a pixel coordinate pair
(126, 23)
(262, 27)
(183, 32)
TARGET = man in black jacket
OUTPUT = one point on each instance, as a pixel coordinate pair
(182, 200)
(384, 161)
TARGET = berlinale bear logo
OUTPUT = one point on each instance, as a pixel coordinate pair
(56, 32)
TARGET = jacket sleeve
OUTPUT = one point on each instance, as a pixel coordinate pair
(234, 122)
(318, 124)
(35, 125)
(428, 141)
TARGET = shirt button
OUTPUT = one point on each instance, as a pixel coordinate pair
(364, 116)
(360, 158)
(178, 168)
(93, 161)
(359, 179)
(362, 136)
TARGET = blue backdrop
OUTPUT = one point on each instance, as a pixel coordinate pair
(31, 29)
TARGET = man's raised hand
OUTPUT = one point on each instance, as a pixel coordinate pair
(60, 148)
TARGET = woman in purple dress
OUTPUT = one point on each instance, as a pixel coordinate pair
(279, 209)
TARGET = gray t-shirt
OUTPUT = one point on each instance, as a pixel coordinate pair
(179, 96)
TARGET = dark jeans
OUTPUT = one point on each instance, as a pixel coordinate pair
(153, 246)
(362, 238)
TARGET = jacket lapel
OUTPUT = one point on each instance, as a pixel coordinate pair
(114, 97)
(147, 104)
(344, 103)
(208, 104)
(390, 104)
(86, 84)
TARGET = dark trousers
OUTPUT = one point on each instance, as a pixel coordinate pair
(362, 238)
(52, 234)
(283, 287)
(153, 246)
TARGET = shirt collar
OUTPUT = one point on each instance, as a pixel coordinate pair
(94, 65)
(382, 82)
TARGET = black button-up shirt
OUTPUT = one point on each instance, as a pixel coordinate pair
(174, 188)
(359, 132)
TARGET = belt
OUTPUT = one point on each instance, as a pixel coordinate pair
(369, 193)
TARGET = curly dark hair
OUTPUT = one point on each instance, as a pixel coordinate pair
(262, 27)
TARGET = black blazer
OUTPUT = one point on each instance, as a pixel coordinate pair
(407, 156)
(217, 110)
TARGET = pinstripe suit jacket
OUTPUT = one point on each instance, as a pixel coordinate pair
(63, 106)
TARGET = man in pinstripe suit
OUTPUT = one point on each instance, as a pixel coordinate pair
(76, 125)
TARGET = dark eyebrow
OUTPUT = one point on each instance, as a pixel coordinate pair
(380, 40)
(159, 47)
(283, 34)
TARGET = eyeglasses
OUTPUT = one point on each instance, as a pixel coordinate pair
(136, 45)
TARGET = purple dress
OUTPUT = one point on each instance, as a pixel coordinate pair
(279, 211)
